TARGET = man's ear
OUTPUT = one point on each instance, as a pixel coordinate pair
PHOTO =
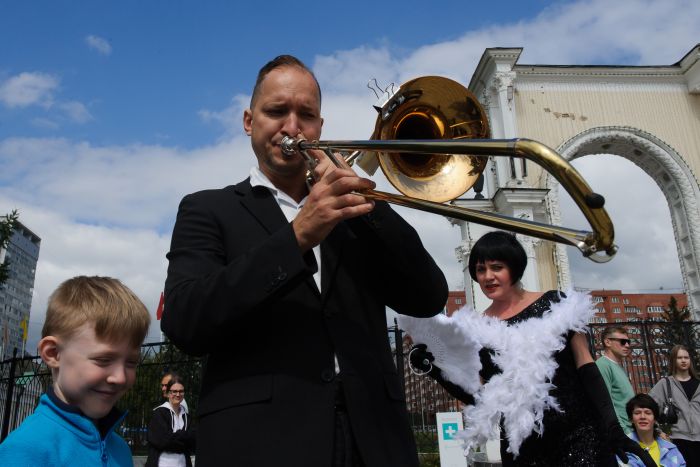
(48, 349)
(247, 121)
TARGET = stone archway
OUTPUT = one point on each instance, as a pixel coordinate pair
(673, 176)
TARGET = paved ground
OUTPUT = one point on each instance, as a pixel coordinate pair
(140, 461)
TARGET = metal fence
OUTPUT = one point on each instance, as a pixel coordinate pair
(24, 379)
(651, 343)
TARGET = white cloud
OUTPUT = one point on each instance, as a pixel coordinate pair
(28, 89)
(70, 248)
(107, 210)
(76, 111)
(230, 118)
(584, 32)
(135, 185)
(101, 45)
(45, 123)
(37, 89)
(647, 258)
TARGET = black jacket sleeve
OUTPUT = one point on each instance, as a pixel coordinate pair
(454, 390)
(162, 437)
(598, 394)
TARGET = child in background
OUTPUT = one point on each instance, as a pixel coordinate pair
(91, 342)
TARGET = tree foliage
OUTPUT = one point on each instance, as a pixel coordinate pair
(679, 329)
(8, 223)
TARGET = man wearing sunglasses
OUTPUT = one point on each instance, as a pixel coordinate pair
(617, 347)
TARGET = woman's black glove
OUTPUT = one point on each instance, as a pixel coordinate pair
(421, 359)
(599, 397)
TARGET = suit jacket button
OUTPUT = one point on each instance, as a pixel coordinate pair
(327, 375)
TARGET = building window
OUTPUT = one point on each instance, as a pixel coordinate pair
(597, 299)
(631, 309)
(655, 309)
(616, 309)
(458, 301)
(626, 301)
(615, 300)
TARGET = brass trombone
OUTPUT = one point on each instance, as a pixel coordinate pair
(430, 141)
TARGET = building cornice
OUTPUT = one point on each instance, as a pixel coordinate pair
(686, 71)
(493, 59)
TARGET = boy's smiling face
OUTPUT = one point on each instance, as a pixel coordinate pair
(89, 373)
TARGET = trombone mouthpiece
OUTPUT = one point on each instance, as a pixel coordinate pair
(289, 146)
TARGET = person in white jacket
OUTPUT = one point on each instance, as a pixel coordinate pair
(685, 392)
(171, 439)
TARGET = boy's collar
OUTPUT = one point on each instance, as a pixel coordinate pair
(104, 424)
(62, 405)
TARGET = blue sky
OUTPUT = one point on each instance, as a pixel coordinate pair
(166, 59)
(110, 112)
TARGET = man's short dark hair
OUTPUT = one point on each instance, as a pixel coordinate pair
(609, 331)
(277, 62)
(171, 373)
(499, 246)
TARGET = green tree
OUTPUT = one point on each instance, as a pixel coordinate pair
(7, 226)
(679, 329)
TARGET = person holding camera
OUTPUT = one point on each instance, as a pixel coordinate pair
(682, 390)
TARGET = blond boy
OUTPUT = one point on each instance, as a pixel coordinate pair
(91, 340)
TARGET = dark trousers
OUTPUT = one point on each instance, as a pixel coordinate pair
(690, 451)
(345, 452)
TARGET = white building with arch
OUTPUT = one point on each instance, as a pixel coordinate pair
(649, 115)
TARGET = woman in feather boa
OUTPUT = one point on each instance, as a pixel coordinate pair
(523, 368)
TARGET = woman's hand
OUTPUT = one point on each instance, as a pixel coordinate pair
(420, 358)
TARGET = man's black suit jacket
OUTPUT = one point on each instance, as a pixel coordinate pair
(240, 291)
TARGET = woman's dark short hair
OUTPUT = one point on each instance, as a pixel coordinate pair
(644, 401)
(499, 246)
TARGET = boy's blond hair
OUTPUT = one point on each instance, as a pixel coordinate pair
(116, 312)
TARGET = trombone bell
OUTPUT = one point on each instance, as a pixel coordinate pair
(431, 108)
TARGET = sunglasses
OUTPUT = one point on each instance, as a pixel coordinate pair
(622, 341)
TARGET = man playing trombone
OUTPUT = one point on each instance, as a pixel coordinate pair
(283, 284)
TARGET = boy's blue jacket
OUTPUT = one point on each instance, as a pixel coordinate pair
(57, 434)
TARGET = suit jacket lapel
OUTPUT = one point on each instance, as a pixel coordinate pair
(261, 204)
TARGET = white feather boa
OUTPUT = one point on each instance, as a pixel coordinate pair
(524, 352)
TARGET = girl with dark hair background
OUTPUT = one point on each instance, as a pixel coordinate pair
(525, 365)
